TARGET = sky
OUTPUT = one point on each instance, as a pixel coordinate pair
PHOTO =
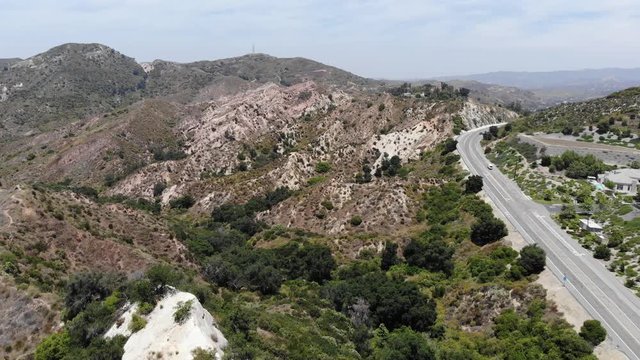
(392, 39)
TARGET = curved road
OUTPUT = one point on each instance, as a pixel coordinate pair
(600, 292)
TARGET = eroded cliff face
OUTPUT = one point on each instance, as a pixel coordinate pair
(238, 146)
(475, 114)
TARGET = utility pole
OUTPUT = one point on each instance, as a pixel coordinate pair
(253, 48)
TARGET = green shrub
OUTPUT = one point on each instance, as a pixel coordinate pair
(316, 180)
(137, 323)
(183, 312)
(532, 259)
(158, 188)
(323, 167)
(54, 347)
(355, 220)
(402, 344)
(182, 202)
(145, 308)
(602, 252)
(327, 204)
(593, 332)
(202, 354)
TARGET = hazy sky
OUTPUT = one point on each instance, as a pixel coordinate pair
(374, 38)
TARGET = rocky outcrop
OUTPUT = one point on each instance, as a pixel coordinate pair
(476, 115)
(165, 338)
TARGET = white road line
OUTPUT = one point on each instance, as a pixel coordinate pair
(610, 329)
(586, 279)
(576, 270)
(557, 235)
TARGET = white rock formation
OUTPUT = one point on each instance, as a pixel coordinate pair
(163, 338)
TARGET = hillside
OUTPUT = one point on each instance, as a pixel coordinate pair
(5, 63)
(166, 78)
(67, 82)
(74, 81)
(618, 112)
(506, 96)
(312, 213)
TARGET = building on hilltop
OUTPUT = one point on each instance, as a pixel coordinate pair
(624, 180)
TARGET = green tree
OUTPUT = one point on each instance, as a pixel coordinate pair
(602, 251)
(265, 279)
(403, 344)
(389, 255)
(162, 276)
(593, 332)
(433, 255)
(487, 229)
(449, 145)
(568, 212)
(473, 184)
(54, 347)
(532, 259)
(84, 288)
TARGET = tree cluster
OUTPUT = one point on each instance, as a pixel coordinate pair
(575, 165)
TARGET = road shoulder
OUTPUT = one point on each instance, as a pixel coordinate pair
(571, 310)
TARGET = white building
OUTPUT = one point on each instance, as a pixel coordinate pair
(590, 225)
(625, 180)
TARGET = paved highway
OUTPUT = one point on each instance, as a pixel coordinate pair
(600, 292)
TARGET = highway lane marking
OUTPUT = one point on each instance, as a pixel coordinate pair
(494, 182)
(557, 235)
(501, 190)
(576, 291)
(528, 237)
(586, 279)
(542, 220)
(584, 276)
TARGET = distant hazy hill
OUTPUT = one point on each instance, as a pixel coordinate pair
(559, 86)
(501, 95)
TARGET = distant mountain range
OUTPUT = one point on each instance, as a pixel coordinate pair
(560, 86)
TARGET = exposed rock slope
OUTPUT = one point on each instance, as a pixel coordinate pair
(165, 338)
